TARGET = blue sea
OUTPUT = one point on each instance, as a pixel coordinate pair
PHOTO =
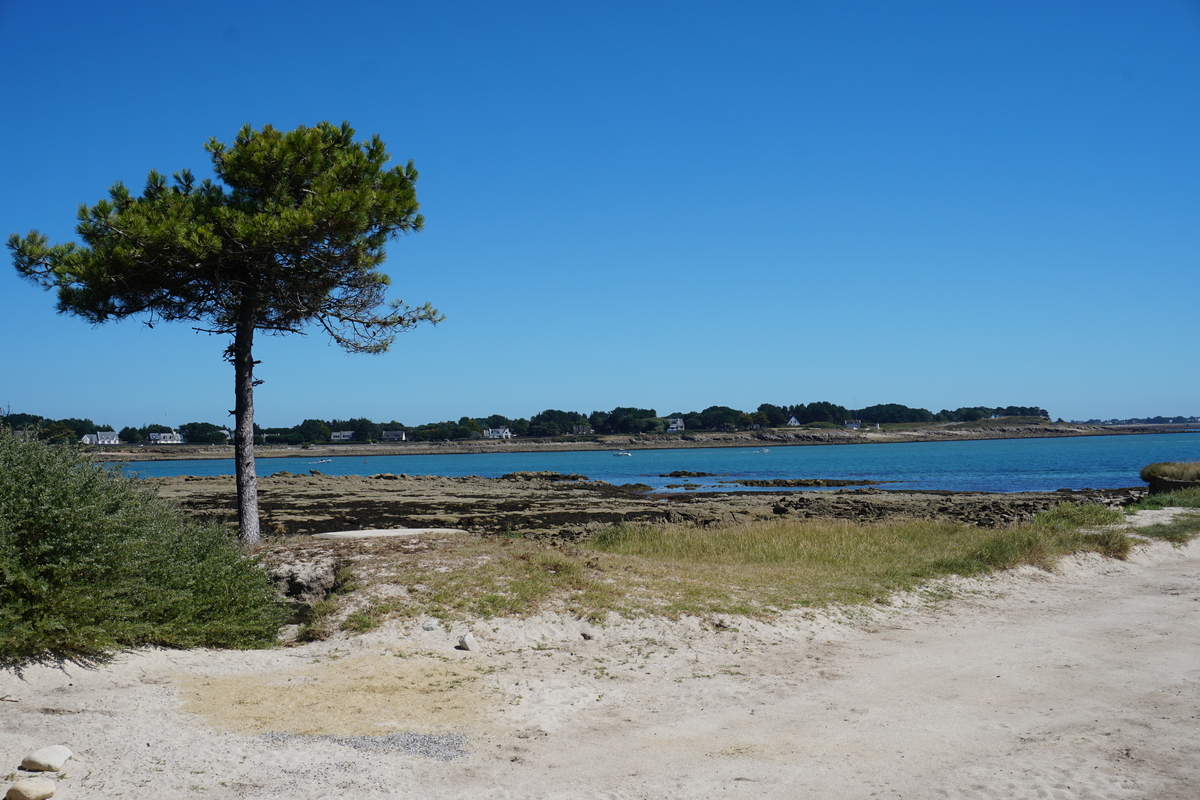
(1001, 465)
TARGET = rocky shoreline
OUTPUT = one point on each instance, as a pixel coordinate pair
(775, 437)
(568, 507)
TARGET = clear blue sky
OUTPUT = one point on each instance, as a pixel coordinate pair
(667, 204)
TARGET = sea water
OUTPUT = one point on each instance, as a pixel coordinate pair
(996, 465)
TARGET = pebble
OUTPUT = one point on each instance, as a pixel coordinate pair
(47, 759)
(468, 642)
(429, 626)
(31, 789)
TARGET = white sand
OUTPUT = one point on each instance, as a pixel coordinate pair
(1084, 683)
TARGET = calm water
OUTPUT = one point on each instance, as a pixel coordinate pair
(1002, 465)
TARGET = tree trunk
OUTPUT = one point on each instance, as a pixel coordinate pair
(243, 443)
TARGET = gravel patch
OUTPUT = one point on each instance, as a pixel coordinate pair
(438, 746)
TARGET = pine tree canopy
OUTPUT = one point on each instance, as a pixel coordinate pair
(293, 236)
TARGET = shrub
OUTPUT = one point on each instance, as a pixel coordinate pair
(91, 562)
(1172, 470)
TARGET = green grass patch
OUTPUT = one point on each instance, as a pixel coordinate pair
(755, 569)
(787, 564)
(1180, 498)
(92, 563)
(1068, 516)
(1179, 531)
(1172, 470)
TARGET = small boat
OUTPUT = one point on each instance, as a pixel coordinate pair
(322, 461)
(764, 450)
(622, 453)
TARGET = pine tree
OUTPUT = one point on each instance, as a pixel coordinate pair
(289, 236)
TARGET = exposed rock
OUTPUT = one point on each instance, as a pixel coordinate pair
(468, 642)
(1159, 485)
(46, 759)
(542, 476)
(547, 508)
(976, 508)
(31, 789)
(783, 483)
(304, 583)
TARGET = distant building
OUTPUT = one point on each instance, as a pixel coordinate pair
(853, 424)
(101, 437)
(793, 422)
(676, 424)
(581, 430)
(166, 438)
(393, 436)
(498, 433)
(342, 436)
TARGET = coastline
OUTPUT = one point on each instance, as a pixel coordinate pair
(775, 437)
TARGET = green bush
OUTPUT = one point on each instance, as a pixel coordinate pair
(91, 563)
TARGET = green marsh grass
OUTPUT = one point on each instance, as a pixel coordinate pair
(755, 569)
(1180, 498)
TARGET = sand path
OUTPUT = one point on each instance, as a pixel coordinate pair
(1084, 683)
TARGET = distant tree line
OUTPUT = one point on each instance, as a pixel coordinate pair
(53, 430)
(547, 424)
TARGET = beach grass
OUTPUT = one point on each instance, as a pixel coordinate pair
(1179, 531)
(1172, 470)
(757, 570)
(1180, 498)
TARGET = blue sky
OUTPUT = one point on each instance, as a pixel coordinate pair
(667, 204)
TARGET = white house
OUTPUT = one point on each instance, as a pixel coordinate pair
(498, 433)
(342, 436)
(101, 437)
(676, 424)
(853, 424)
(793, 422)
(166, 438)
(392, 436)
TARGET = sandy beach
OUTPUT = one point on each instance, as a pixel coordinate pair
(1081, 683)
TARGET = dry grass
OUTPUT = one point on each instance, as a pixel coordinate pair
(756, 570)
(1172, 470)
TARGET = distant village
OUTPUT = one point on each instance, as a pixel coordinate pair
(547, 424)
